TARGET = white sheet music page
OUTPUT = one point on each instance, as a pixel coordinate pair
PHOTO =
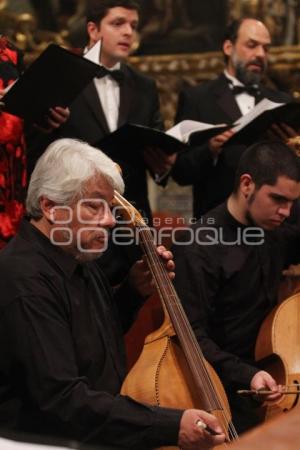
(184, 129)
(7, 444)
(261, 107)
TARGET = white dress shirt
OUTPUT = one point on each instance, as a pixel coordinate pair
(109, 94)
(245, 101)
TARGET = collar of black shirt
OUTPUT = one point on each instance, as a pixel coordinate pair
(66, 263)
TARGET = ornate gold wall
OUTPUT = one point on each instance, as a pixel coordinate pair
(171, 71)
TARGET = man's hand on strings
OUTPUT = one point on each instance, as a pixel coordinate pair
(140, 276)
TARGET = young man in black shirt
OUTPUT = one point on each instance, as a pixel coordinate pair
(229, 266)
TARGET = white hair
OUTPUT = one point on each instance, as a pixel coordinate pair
(63, 170)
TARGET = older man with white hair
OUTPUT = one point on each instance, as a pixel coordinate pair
(62, 359)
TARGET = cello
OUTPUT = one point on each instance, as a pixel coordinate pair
(171, 370)
(278, 352)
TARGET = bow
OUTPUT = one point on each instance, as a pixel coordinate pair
(116, 74)
(252, 89)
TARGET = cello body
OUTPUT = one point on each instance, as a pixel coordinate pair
(278, 351)
(161, 377)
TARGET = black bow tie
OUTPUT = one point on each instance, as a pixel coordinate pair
(117, 75)
(250, 89)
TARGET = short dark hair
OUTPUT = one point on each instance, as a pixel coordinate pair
(232, 31)
(267, 160)
(96, 10)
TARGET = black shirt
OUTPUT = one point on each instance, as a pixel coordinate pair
(62, 359)
(228, 282)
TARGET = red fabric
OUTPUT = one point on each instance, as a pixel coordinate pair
(12, 150)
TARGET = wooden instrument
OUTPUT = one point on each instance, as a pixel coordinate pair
(278, 352)
(290, 285)
(171, 370)
(282, 433)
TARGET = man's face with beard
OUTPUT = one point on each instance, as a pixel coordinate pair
(82, 229)
(248, 55)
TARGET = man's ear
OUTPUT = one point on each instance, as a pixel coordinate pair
(247, 185)
(93, 32)
(227, 47)
(48, 208)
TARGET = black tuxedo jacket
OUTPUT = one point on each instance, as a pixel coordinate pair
(139, 103)
(212, 102)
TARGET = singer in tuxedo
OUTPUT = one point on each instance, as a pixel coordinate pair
(210, 168)
(121, 95)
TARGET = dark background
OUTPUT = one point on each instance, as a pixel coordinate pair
(183, 26)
